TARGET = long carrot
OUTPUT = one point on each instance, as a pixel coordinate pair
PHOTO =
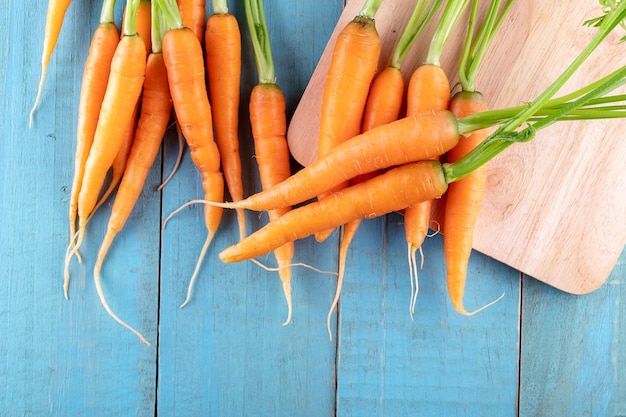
(54, 21)
(464, 197)
(222, 39)
(156, 107)
(269, 130)
(93, 87)
(374, 197)
(428, 89)
(122, 93)
(192, 13)
(184, 61)
(353, 66)
(383, 106)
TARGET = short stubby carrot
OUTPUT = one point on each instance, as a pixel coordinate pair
(93, 87)
(193, 14)
(269, 129)
(423, 136)
(464, 199)
(54, 21)
(377, 196)
(223, 66)
(184, 61)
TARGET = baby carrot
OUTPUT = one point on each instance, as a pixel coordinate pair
(54, 21)
(222, 40)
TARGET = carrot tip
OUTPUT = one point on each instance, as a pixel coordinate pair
(461, 309)
(287, 292)
(196, 271)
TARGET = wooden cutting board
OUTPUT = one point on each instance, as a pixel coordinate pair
(555, 208)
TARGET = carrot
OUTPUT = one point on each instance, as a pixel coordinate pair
(428, 89)
(383, 105)
(93, 87)
(54, 21)
(156, 107)
(122, 93)
(222, 39)
(353, 66)
(184, 62)
(192, 13)
(268, 121)
(143, 22)
(385, 146)
(464, 197)
(374, 197)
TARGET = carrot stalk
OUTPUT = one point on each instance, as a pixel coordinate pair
(223, 65)
(54, 21)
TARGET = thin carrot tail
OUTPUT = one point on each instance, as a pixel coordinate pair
(284, 256)
(196, 270)
(72, 250)
(349, 230)
(104, 248)
(179, 156)
(413, 276)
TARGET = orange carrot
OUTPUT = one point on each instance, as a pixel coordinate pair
(423, 136)
(268, 121)
(93, 87)
(143, 22)
(193, 13)
(352, 69)
(428, 89)
(122, 93)
(184, 61)
(374, 197)
(156, 107)
(223, 66)
(54, 21)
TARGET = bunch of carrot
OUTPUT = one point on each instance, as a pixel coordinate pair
(372, 159)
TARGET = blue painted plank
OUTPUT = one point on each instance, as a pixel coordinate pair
(226, 352)
(61, 357)
(573, 350)
(439, 364)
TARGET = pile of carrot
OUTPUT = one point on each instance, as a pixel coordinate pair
(384, 147)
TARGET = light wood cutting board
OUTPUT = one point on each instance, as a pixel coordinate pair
(555, 208)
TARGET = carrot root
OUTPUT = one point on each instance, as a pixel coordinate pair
(196, 271)
(179, 158)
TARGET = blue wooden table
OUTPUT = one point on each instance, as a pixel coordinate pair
(538, 352)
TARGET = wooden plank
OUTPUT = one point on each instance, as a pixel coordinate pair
(61, 357)
(439, 364)
(573, 360)
(226, 352)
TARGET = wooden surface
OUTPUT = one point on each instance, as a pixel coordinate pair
(538, 352)
(542, 197)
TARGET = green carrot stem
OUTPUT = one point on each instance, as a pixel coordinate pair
(259, 35)
(156, 28)
(130, 22)
(370, 8)
(220, 7)
(170, 15)
(420, 17)
(449, 18)
(107, 15)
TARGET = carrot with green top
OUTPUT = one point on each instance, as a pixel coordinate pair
(428, 89)
(54, 22)
(122, 93)
(464, 197)
(353, 67)
(184, 61)
(268, 121)
(156, 108)
(222, 40)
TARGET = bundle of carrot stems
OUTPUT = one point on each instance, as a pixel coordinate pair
(383, 146)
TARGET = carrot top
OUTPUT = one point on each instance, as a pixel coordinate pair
(370, 8)
(107, 15)
(220, 7)
(508, 132)
(130, 24)
(255, 17)
(449, 18)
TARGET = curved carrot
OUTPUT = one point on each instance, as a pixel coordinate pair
(54, 21)
(374, 197)
(464, 199)
(223, 65)
(192, 13)
(93, 87)
(268, 121)
(423, 136)
(122, 93)
(184, 61)
(353, 66)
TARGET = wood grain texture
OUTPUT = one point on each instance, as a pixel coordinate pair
(226, 353)
(542, 197)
